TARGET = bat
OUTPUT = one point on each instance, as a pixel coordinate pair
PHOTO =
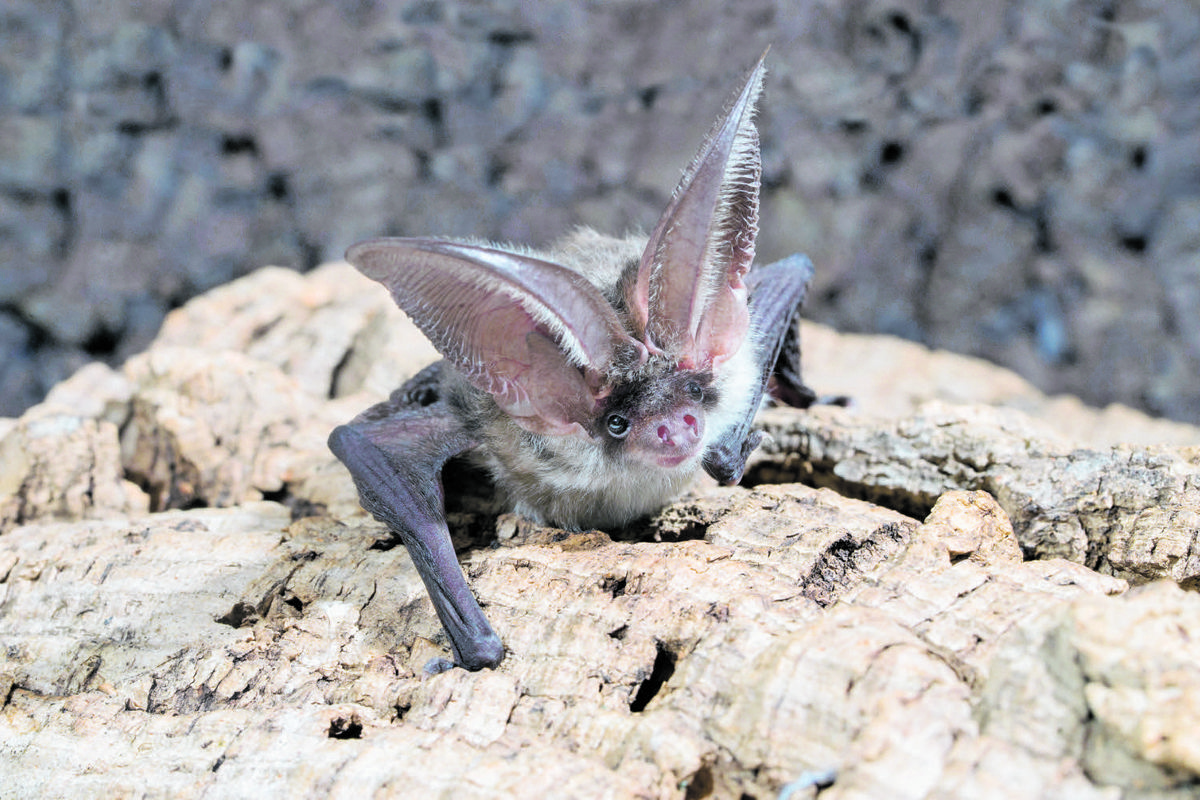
(593, 381)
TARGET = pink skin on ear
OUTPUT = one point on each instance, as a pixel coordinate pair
(689, 299)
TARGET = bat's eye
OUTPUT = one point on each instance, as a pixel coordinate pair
(694, 391)
(617, 426)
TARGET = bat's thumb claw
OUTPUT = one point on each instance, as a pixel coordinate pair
(751, 444)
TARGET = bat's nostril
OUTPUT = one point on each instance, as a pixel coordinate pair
(690, 421)
(664, 435)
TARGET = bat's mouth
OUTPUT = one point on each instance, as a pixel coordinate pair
(672, 460)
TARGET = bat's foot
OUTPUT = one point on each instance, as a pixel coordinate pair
(481, 650)
(487, 651)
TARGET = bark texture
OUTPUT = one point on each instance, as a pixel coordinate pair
(933, 595)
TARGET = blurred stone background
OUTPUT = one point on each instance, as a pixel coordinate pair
(1015, 180)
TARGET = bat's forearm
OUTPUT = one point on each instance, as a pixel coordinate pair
(396, 463)
(474, 642)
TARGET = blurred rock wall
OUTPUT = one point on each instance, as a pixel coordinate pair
(1019, 181)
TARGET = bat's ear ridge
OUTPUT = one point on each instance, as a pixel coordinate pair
(688, 297)
(533, 334)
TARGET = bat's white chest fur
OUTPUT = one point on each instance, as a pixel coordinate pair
(600, 494)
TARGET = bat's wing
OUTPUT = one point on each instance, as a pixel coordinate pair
(776, 294)
(395, 452)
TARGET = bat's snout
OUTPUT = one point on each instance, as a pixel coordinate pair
(677, 438)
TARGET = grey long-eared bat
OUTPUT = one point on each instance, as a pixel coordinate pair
(592, 381)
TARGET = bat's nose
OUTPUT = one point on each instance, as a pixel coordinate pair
(679, 433)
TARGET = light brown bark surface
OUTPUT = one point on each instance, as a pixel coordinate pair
(192, 604)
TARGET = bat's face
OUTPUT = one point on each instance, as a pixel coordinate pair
(659, 419)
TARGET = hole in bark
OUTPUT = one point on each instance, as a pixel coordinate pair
(795, 468)
(424, 165)
(241, 615)
(831, 295)
(660, 673)
(973, 102)
(345, 728)
(619, 633)
(336, 375)
(825, 579)
(294, 602)
(387, 542)
(262, 330)
(680, 525)
(614, 585)
(277, 496)
(432, 109)
(700, 784)
(828, 578)
(1041, 226)
(299, 507)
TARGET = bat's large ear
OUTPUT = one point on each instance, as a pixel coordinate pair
(689, 299)
(535, 335)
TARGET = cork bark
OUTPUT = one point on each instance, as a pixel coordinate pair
(920, 596)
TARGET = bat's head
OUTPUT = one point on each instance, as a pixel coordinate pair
(557, 356)
(686, 300)
(658, 418)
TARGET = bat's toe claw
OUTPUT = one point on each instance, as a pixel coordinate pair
(438, 665)
(486, 651)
